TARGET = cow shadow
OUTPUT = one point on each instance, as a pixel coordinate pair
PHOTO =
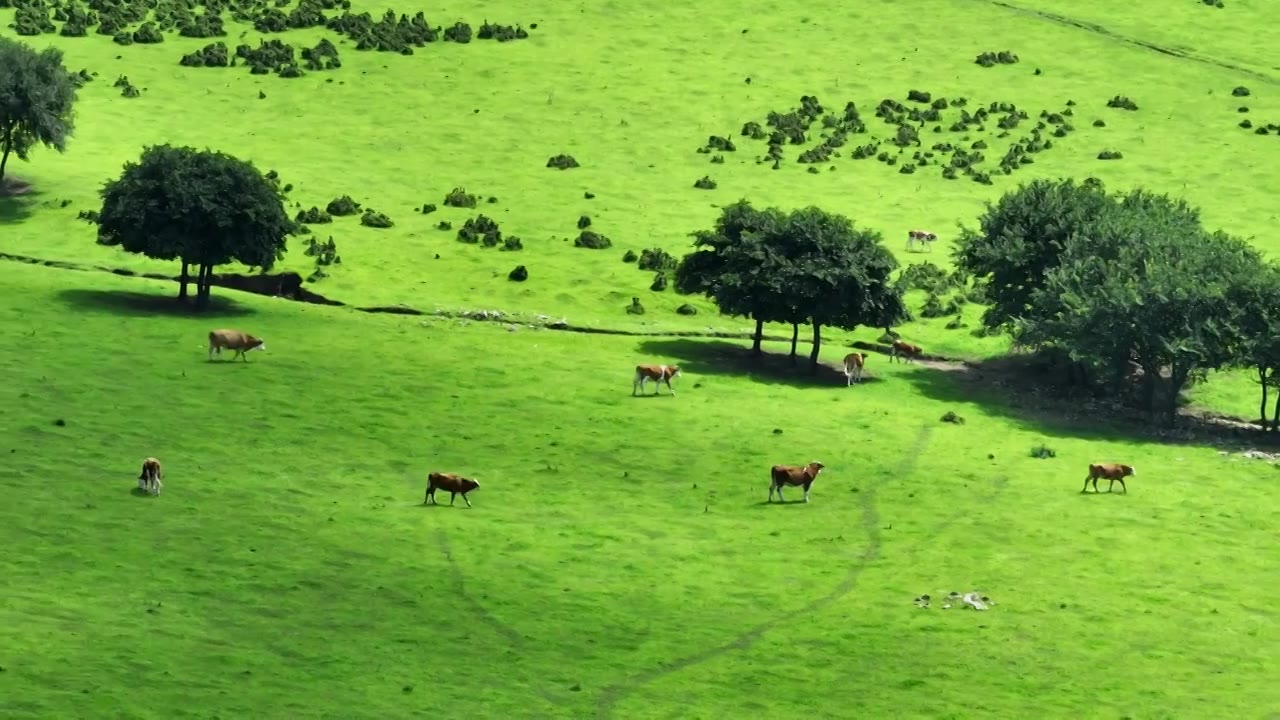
(139, 492)
(779, 503)
(721, 357)
(16, 207)
(140, 304)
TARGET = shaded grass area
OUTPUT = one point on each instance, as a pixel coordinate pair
(618, 561)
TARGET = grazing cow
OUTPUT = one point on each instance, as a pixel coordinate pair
(453, 483)
(241, 342)
(903, 350)
(853, 363)
(658, 374)
(795, 476)
(149, 478)
(923, 238)
(1111, 471)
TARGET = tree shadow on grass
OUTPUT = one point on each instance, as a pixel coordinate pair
(138, 304)
(1004, 389)
(15, 208)
(720, 357)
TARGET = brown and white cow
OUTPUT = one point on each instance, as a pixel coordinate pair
(901, 350)
(451, 483)
(241, 342)
(659, 374)
(853, 363)
(794, 476)
(149, 478)
(1115, 472)
(923, 238)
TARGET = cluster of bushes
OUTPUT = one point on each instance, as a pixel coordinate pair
(991, 59)
(906, 123)
(946, 294)
(562, 162)
(1121, 102)
(459, 197)
(374, 219)
(271, 56)
(655, 260)
(484, 230)
(325, 254)
(592, 240)
(402, 34)
(127, 89)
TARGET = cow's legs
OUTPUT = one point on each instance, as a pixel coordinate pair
(465, 500)
(1123, 486)
(1086, 485)
(806, 490)
(452, 495)
(673, 390)
(639, 380)
(780, 498)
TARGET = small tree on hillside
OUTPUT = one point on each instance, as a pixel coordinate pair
(1020, 239)
(202, 207)
(1256, 298)
(735, 267)
(836, 275)
(1145, 286)
(37, 95)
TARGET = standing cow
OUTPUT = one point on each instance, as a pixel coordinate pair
(241, 342)
(1115, 472)
(901, 350)
(794, 476)
(853, 363)
(924, 238)
(452, 483)
(659, 374)
(149, 478)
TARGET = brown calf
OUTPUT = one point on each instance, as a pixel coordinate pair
(853, 363)
(658, 374)
(903, 350)
(795, 476)
(241, 342)
(452, 483)
(149, 478)
(923, 237)
(1111, 471)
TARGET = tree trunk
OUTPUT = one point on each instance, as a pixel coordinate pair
(4, 159)
(1177, 378)
(795, 338)
(183, 280)
(755, 345)
(202, 286)
(1262, 409)
(817, 346)
(1275, 419)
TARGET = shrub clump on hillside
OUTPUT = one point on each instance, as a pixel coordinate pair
(991, 59)
(584, 222)
(659, 282)
(1240, 91)
(1110, 155)
(485, 231)
(324, 56)
(1043, 452)
(687, 309)
(314, 216)
(343, 206)
(428, 208)
(325, 254)
(1121, 102)
(519, 274)
(374, 219)
(635, 308)
(630, 256)
(562, 162)
(705, 183)
(459, 197)
(592, 240)
(211, 55)
(656, 259)
(127, 89)
(919, 96)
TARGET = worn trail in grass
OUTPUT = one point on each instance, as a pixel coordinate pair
(620, 558)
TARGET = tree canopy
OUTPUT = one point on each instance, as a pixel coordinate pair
(37, 96)
(202, 207)
(805, 266)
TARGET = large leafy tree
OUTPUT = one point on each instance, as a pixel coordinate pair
(736, 266)
(1021, 237)
(202, 207)
(1147, 285)
(37, 96)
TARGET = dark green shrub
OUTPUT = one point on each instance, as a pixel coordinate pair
(1246, 123)
(687, 309)
(659, 282)
(460, 33)
(635, 308)
(343, 206)
(121, 38)
(204, 25)
(991, 59)
(934, 307)
(705, 183)
(925, 276)
(480, 229)
(314, 216)
(147, 34)
(656, 259)
(584, 222)
(1240, 91)
(592, 240)
(630, 257)
(562, 162)
(1110, 155)
(444, 225)
(1043, 452)
(459, 197)
(211, 55)
(511, 243)
(1122, 103)
(428, 208)
(919, 96)
(374, 219)
(519, 274)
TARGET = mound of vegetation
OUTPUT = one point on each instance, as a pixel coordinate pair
(654, 259)
(562, 162)
(372, 218)
(519, 274)
(705, 183)
(211, 55)
(592, 240)
(343, 206)
(991, 59)
(459, 197)
(485, 231)
(1121, 102)
(313, 216)
(127, 89)
(902, 146)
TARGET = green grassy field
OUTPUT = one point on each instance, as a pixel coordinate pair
(620, 560)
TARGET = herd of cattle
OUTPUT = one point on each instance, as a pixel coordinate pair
(149, 480)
